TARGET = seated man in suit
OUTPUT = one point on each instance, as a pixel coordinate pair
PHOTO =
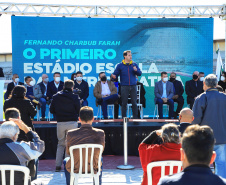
(33, 91)
(82, 88)
(178, 93)
(44, 99)
(11, 85)
(196, 155)
(164, 94)
(193, 88)
(185, 117)
(105, 93)
(54, 86)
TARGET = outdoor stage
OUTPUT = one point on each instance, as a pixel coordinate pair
(137, 131)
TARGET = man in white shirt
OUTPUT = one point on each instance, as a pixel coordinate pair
(105, 93)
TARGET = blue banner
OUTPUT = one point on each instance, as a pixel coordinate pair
(92, 45)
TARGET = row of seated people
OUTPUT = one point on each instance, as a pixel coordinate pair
(194, 148)
(166, 91)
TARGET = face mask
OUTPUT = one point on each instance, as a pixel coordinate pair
(74, 78)
(165, 79)
(201, 79)
(79, 78)
(195, 77)
(172, 79)
(222, 78)
(32, 83)
(103, 79)
(17, 80)
(57, 79)
(46, 80)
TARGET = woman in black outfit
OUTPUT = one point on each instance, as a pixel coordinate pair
(24, 105)
(222, 82)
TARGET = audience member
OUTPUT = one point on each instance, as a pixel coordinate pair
(54, 86)
(105, 93)
(82, 88)
(220, 89)
(33, 92)
(201, 76)
(1, 72)
(44, 99)
(164, 94)
(24, 105)
(185, 117)
(222, 82)
(168, 150)
(86, 134)
(65, 105)
(178, 93)
(193, 88)
(127, 70)
(73, 77)
(11, 85)
(18, 153)
(209, 109)
(196, 155)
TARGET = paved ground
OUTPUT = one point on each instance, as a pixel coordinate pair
(111, 175)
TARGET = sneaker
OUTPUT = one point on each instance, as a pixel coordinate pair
(58, 169)
(43, 119)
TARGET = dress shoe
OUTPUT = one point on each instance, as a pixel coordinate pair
(58, 169)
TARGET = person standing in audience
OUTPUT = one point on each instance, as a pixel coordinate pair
(19, 153)
(33, 92)
(1, 72)
(73, 77)
(201, 76)
(164, 94)
(65, 105)
(193, 88)
(24, 105)
(86, 134)
(185, 117)
(178, 93)
(82, 88)
(209, 109)
(54, 86)
(105, 93)
(11, 85)
(168, 150)
(196, 155)
(222, 82)
(127, 70)
(44, 99)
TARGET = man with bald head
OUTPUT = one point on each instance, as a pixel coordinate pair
(44, 98)
(193, 88)
(185, 117)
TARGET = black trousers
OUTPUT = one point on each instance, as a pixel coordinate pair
(180, 101)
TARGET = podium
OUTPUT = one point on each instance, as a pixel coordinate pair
(2, 82)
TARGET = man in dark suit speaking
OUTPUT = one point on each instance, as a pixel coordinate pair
(193, 88)
(163, 95)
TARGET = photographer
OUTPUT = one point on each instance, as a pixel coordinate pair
(169, 149)
(81, 88)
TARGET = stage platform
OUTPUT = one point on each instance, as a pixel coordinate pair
(137, 130)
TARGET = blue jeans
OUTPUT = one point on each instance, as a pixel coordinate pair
(43, 107)
(108, 100)
(170, 102)
(220, 161)
(84, 103)
(67, 174)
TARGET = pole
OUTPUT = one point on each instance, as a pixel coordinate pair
(125, 133)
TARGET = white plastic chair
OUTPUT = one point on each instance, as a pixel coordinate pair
(12, 169)
(110, 106)
(139, 105)
(163, 164)
(74, 176)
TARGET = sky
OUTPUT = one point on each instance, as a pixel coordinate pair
(5, 20)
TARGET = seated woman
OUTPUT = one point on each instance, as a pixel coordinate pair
(169, 149)
(24, 105)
